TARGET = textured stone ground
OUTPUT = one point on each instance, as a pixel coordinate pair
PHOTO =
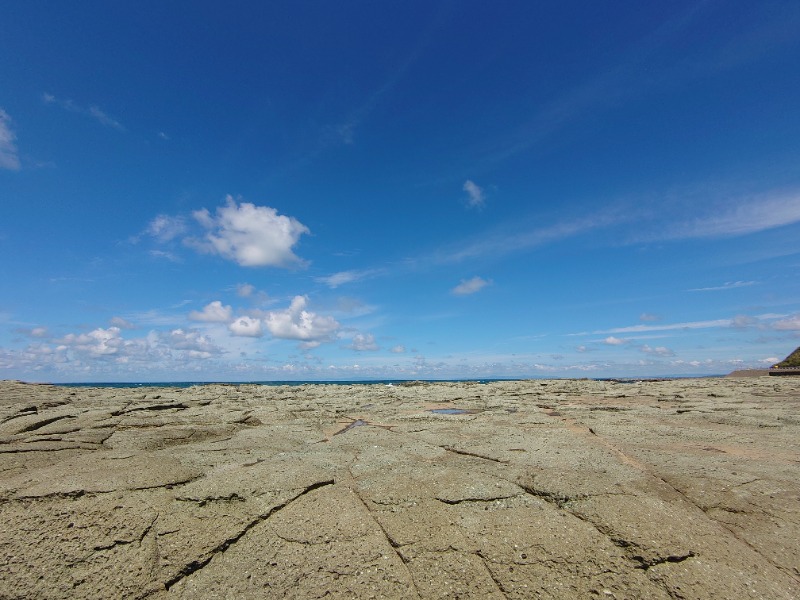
(541, 489)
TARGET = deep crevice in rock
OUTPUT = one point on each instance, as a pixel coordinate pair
(197, 565)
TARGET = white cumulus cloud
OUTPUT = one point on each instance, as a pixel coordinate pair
(399, 349)
(213, 312)
(99, 342)
(658, 350)
(475, 196)
(165, 227)
(193, 343)
(246, 327)
(250, 235)
(297, 323)
(614, 341)
(363, 343)
(470, 286)
(9, 159)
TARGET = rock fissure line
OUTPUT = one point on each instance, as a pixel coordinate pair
(473, 454)
(579, 429)
(497, 583)
(44, 422)
(393, 544)
(23, 412)
(197, 565)
(484, 500)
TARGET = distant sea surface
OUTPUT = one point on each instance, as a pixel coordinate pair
(187, 384)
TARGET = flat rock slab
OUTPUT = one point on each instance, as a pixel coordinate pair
(531, 489)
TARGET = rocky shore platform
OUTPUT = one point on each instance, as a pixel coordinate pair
(530, 489)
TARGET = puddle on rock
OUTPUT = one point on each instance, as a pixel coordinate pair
(454, 411)
(356, 423)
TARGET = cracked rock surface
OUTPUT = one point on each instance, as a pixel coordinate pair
(566, 489)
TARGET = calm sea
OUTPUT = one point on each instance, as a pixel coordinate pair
(186, 384)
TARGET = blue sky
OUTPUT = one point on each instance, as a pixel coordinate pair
(348, 190)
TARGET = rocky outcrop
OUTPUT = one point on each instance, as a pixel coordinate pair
(532, 489)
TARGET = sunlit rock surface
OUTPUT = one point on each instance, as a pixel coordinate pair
(532, 489)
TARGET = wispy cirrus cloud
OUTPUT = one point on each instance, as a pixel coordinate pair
(738, 321)
(730, 285)
(345, 277)
(503, 242)
(91, 111)
(9, 157)
(744, 216)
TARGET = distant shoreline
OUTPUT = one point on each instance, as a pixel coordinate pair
(401, 382)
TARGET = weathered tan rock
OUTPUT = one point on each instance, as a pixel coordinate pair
(531, 489)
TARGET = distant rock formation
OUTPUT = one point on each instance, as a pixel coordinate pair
(788, 366)
(793, 360)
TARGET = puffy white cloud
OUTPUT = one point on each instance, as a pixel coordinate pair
(614, 341)
(99, 342)
(648, 317)
(166, 228)
(658, 351)
(246, 327)
(297, 323)
(252, 236)
(362, 343)
(9, 158)
(470, 286)
(213, 312)
(475, 196)
(399, 349)
(193, 343)
(790, 324)
(39, 332)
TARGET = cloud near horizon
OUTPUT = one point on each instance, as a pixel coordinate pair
(297, 323)
(364, 343)
(250, 235)
(214, 312)
(246, 327)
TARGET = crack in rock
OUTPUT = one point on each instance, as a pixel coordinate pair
(39, 424)
(23, 412)
(394, 544)
(473, 454)
(175, 405)
(197, 565)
